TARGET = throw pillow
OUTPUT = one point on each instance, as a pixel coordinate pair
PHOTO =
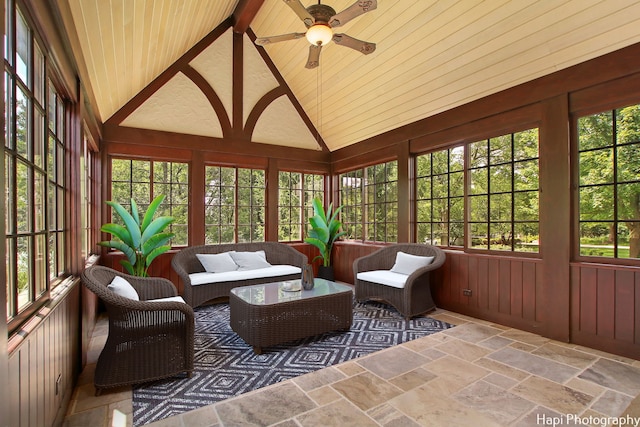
(120, 286)
(217, 263)
(250, 260)
(407, 263)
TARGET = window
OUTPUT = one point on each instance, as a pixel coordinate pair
(370, 202)
(296, 192)
(503, 192)
(609, 183)
(440, 197)
(143, 180)
(313, 189)
(56, 168)
(251, 203)
(289, 206)
(235, 205)
(35, 155)
(219, 205)
(351, 201)
(87, 187)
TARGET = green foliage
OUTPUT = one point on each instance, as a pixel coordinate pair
(325, 230)
(140, 241)
(609, 179)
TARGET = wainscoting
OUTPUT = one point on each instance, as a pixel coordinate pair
(44, 362)
(605, 308)
(506, 290)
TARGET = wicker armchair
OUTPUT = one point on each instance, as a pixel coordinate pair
(415, 298)
(147, 340)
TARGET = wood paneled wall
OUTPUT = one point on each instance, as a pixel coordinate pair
(505, 290)
(43, 363)
(605, 307)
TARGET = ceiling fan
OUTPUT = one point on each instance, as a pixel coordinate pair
(320, 20)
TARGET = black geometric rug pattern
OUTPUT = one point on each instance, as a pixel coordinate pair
(225, 366)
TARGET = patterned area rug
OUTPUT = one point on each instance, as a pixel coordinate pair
(225, 366)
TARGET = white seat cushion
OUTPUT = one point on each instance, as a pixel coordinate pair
(384, 277)
(232, 276)
(168, 299)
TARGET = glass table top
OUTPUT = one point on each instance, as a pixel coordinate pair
(277, 292)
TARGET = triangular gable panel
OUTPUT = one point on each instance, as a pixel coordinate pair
(258, 78)
(292, 132)
(215, 64)
(179, 106)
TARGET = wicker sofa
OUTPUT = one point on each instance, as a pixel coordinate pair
(410, 293)
(200, 286)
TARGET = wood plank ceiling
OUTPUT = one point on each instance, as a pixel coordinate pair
(432, 55)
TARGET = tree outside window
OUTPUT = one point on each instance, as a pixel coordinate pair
(235, 205)
(296, 191)
(369, 199)
(503, 193)
(609, 183)
(440, 197)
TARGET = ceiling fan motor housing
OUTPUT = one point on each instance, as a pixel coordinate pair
(321, 12)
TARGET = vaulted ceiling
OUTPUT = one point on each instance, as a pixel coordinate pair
(431, 56)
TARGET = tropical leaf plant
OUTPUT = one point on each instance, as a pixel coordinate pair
(141, 242)
(325, 230)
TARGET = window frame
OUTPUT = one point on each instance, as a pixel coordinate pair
(512, 221)
(362, 202)
(465, 142)
(253, 209)
(305, 206)
(576, 115)
(45, 161)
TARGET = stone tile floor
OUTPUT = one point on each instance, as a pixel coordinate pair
(476, 374)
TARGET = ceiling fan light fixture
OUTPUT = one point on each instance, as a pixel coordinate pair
(319, 34)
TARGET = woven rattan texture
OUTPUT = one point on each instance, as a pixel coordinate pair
(185, 262)
(147, 340)
(267, 325)
(415, 298)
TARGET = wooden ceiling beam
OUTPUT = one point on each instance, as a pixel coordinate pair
(244, 13)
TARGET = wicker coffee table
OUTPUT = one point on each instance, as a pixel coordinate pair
(266, 315)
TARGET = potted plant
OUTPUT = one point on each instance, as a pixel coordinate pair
(325, 230)
(141, 242)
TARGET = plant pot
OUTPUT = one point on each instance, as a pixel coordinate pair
(325, 272)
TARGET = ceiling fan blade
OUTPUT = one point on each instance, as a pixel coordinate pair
(359, 45)
(261, 41)
(301, 11)
(356, 9)
(314, 56)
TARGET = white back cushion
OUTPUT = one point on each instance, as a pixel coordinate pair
(250, 260)
(120, 286)
(407, 263)
(217, 263)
